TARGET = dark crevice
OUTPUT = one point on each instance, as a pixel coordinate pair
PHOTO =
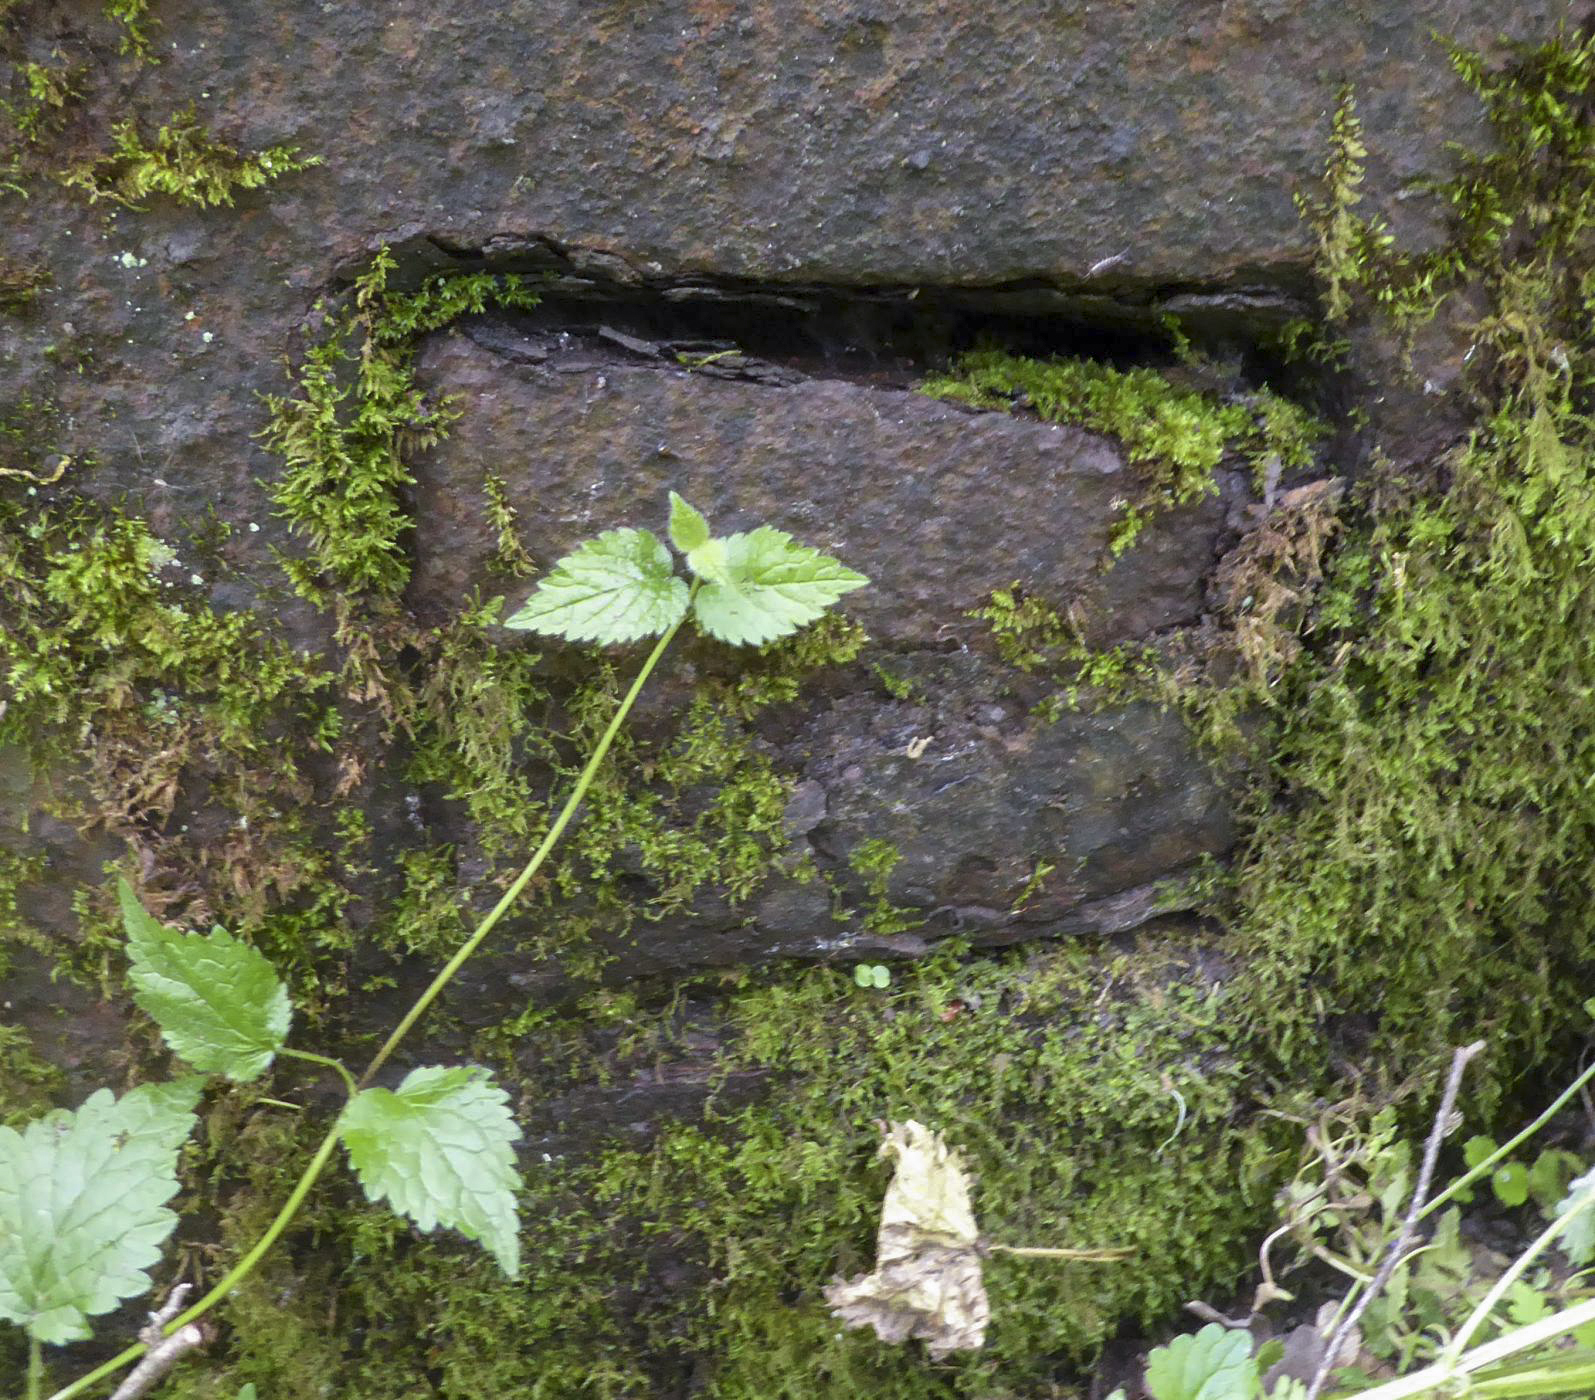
(884, 335)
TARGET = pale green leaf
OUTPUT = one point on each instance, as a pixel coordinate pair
(217, 1000)
(708, 561)
(1215, 1364)
(1549, 1175)
(438, 1149)
(769, 587)
(1477, 1150)
(688, 529)
(1578, 1240)
(1510, 1182)
(615, 588)
(1526, 1304)
(83, 1205)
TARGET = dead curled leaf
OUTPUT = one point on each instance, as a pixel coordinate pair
(927, 1282)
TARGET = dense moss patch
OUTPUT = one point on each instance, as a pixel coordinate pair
(1420, 853)
(1177, 436)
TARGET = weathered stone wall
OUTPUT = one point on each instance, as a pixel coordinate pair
(753, 229)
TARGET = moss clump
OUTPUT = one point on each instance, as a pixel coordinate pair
(357, 410)
(1033, 637)
(115, 670)
(1177, 436)
(701, 809)
(1422, 845)
(134, 18)
(183, 162)
(20, 285)
(699, 1258)
(874, 860)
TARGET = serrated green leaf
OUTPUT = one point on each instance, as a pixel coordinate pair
(615, 588)
(770, 588)
(83, 1205)
(708, 562)
(1510, 1183)
(217, 1000)
(1577, 1242)
(688, 529)
(438, 1149)
(1526, 1304)
(1215, 1364)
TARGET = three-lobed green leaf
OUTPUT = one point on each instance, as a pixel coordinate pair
(761, 585)
(1214, 1364)
(83, 1205)
(752, 588)
(439, 1150)
(217, 1000)
(615, 588)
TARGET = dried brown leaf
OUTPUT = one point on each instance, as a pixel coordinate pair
(927, 1282)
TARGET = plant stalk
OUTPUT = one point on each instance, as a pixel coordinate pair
(327, 1062)
(1506, 1149)
(1498, 1290)
(585, 781)
(1442, 1372)
(318, 1163)
(35, 1368)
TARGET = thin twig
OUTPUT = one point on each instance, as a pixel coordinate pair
(1398, 1246)
(164, 1352)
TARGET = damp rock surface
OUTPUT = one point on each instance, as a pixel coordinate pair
(938, 505)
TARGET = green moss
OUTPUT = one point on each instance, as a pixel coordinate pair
(510, 556)
(47, 90)
(20, 285)
(874, 860)
(28, 1084)
(184, 161)
(1422, 840)
(34, 97)
(1033, 637)
(703, 1254)
(116, 671)
(1178, 437)
(134, 18)
(356, 411)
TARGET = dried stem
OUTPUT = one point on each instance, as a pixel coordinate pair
(164, 1352)
(1398, 1246)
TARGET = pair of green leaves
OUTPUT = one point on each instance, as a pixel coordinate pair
(83, 1195)
(748, 589)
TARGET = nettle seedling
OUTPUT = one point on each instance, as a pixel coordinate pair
(84, 1195)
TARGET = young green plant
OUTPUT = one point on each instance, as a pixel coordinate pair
(439, 1148)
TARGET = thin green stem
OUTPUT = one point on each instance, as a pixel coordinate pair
(1519, 1265)
(1506, 1149)
(232, 1278)
(327, 1063)
(585, 781)
(1443, 1372)
(245, 1266)
(35, 1368)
